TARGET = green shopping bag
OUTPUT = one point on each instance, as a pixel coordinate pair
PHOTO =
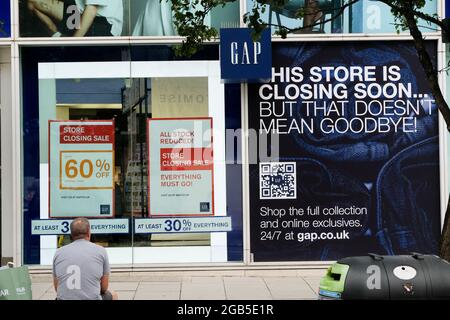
(15, 284)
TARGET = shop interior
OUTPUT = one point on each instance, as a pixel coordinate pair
(129, 102)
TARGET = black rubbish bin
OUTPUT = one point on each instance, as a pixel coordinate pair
(415, 276)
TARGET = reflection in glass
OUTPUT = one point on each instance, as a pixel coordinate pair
(155, 18)
(72, 18)
(364, 16)
(110, 18)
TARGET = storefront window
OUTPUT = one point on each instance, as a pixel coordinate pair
(364, 16)
(50, 18)
(114, 139)
(5, 19)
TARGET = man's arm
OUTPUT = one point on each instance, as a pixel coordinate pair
(55, 283)
(87, 18)
(104, 283)
(55, 279)
(48, 23)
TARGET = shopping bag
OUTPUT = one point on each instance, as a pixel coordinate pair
(15, 284)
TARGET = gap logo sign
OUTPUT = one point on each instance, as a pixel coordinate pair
(242, 59)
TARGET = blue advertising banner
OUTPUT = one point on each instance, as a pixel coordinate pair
(5, 19)
(242, 59)
(352, 162)
(61, 227)
(182, 225)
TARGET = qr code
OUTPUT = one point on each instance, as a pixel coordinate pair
(277, 180)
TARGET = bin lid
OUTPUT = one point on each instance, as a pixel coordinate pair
(334, 280)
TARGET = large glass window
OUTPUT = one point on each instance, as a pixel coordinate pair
(138, 147)
(49, 18)
(364, 16)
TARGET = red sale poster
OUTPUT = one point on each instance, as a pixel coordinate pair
(81, 169)
(181, 168)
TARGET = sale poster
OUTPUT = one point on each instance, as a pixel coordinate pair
(180, 167)
(81, 167)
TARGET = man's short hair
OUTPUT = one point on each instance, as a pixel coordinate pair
(79, 228)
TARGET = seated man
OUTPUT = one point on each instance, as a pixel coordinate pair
(95, 17)
(81, 269)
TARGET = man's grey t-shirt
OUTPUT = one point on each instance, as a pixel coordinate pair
(79, 268)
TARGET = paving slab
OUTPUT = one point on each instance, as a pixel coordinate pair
(203, 290)
(170, 286)
(48, 296)
(200, 280)
(289, 288)
(148, 278)
(158, 291)
(126, 295)
(312, 273)
(39, 289)
(314, 283)
(51, 289)
(152, 295)
(250, 284)
(271, 273)
(123, 286)
(41, 278)
(245, 288)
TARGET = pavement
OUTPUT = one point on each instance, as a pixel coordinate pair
(301, 284)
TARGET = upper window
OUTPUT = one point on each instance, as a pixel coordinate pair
(5, 19)
(364, 16)
(104, 18)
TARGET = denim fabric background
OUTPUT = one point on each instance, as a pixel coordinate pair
(394, 175)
